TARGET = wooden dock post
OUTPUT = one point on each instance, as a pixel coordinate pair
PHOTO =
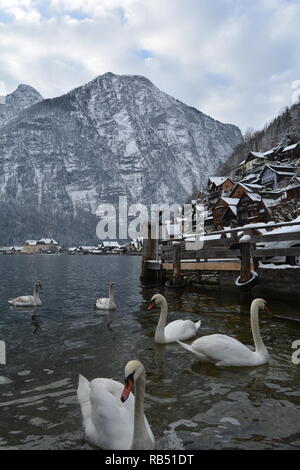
(245, 250)
(150, 252)
(245, 274)
(177, 278)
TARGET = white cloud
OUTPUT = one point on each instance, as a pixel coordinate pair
(235, 60)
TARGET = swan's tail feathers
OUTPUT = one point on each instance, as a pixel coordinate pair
(83, 391)
(83, 395)
(198, 324)
(185, 346)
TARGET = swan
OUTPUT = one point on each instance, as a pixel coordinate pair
(114, 419)
(107, 303)
(28, 300)
(226, 351)
(176, 330)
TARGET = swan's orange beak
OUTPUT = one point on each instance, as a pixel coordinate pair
(266, 309)
(151, 305)
(126, 391)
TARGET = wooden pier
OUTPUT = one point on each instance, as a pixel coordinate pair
(235, 251)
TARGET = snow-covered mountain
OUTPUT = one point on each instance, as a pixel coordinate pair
(116, 135)
(23, 97)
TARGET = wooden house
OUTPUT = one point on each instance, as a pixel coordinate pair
(291, 152)
(273, 154)
(272, 175)
(292, 191)
(224, 211)
(218, 186)
(251, 208)
(240, 189)
(252, 163)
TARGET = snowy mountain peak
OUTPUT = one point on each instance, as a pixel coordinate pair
(22, 97)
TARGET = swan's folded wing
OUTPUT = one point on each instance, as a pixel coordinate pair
(223, 348)
(23, 299)
(112, 419)
(180, 330)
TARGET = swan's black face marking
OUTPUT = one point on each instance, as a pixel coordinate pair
(130, 377)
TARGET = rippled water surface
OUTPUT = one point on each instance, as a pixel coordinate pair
(188, 404)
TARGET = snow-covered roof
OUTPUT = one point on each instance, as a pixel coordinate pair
(48, 241)
(254, 196)
(218, 180)
(270, 202)
(285, 173)
(247, 186)
(290, 147)
(269, 152)
(248, 177)
(233, 209)
(253, 186)
(111, 244)
(257, 154)
(231, 201)
(87, 248)
(30, 242)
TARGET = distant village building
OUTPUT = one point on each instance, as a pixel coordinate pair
(11, 250)
(44, 245)
(110, 246)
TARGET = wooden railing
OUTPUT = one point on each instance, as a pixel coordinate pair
(232, 249)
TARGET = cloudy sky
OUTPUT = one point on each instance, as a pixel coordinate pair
(236, 60)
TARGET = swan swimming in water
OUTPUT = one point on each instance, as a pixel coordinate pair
(176, 330)
(28, 300)
(226, 351)
(107, 303)
(113, 418)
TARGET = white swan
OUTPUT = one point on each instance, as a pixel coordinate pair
(176, 330)
(107, 303)
(226, 351)
(28, 300)
(114, 419)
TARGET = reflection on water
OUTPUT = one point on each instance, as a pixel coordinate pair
(189, 405)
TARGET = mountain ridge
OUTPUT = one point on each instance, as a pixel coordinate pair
(115, 135)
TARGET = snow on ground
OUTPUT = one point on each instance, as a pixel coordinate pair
(277, 266)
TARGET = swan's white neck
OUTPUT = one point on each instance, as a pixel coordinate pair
(111, 292)
(140, 433)
(259, 344)
(36, 291)
(160, 329)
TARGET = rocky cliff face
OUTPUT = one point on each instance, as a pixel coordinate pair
(117, 135)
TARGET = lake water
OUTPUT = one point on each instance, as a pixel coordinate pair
(188, 404)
